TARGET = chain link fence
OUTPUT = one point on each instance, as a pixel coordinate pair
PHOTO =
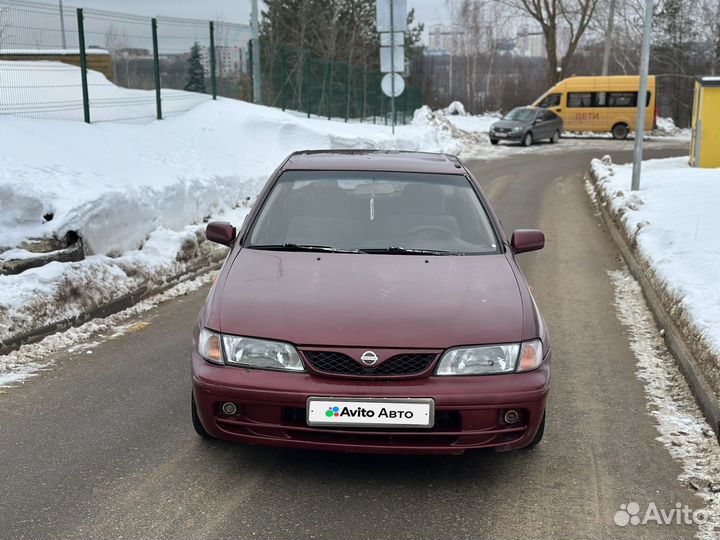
(58, 61)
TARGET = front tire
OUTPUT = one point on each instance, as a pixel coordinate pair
(620, 131)
(539, 435)
(493, 141)
(527, 139)
(556, 137)
(197, 424)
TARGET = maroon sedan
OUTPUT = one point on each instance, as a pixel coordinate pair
(372, 303)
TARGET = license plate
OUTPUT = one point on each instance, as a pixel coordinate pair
(501, 134)
(371, 412)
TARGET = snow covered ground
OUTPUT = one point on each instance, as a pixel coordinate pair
(674, 220)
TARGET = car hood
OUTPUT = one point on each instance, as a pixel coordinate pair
(403, 301)
(508, 124)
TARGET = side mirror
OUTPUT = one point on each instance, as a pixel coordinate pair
(527, 240)
(221, 232)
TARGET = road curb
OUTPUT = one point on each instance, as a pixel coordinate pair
(674, 338)
(109, 308)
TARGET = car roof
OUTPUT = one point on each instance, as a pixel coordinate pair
(373, 160)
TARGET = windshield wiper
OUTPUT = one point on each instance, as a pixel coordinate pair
(304, 247)
(410, 251)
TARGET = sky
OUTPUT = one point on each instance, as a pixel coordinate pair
(428, 11)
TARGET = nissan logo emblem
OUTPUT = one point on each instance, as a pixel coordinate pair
(369, 358)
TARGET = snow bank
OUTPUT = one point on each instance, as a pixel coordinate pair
(98, 180)
(667, 127)
(27, 361)
(469, 131)
(48, 89)
(455, 116)
(455, 108)
(674, 221)
(475, 123)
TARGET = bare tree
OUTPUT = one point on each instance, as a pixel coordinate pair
(116, 39)
(481, 26)
(710, 12)
(222, 40)
(556, 17)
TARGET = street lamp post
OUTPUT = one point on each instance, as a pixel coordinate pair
(256, 74)
(642, 96)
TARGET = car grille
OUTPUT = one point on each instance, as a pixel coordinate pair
(502, 130)
(341, 364)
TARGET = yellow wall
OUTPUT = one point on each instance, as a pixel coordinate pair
(705, 148)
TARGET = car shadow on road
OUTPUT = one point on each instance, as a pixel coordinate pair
(355, 468)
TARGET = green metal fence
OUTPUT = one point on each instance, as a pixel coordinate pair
(67, 63)
(295, 79)
(61, 62)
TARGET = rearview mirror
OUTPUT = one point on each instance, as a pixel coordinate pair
(527, 240)
(221, 232)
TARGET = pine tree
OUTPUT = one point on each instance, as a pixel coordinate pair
(196, 72)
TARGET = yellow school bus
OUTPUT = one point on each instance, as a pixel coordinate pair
(600, 103)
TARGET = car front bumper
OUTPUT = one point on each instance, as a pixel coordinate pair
(507, 135)
(468, 410)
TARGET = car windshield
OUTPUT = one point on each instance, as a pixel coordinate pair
(374, 212)
(520, 114)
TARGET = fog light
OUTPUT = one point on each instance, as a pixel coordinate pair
(511, 416)
(229, 408)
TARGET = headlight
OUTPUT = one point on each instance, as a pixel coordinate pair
(262, 354)
(516, 129)
(491, 359)
(248, 352)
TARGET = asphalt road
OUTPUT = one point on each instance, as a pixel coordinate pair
(101, 445)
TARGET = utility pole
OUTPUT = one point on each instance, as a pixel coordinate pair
(256, 75)
(62, 25)
(642, 96)
(608, 38)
